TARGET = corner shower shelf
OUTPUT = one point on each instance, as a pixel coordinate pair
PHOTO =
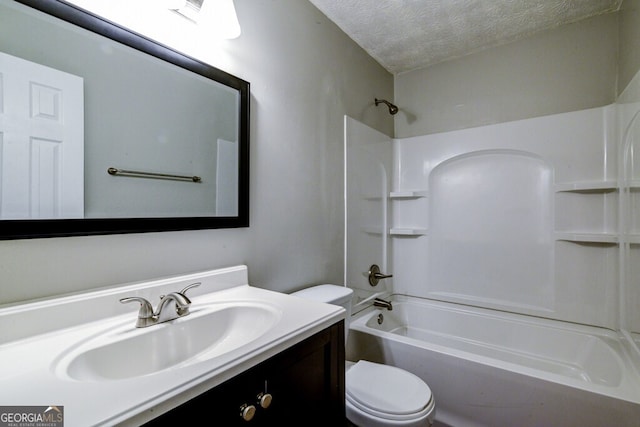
(587, 187)
(407, 231)
(396, 231)
(607, 238)
(408, 194)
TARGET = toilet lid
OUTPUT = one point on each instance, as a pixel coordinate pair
(386, 389)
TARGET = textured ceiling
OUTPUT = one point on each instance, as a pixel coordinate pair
(403, 35)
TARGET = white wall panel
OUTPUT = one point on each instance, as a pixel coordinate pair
(537, 237)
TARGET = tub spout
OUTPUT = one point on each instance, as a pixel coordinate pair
(382, 303)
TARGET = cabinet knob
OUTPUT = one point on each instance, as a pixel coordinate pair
(247, 412)
(264, 400)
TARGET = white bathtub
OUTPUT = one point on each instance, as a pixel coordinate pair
(488, 368)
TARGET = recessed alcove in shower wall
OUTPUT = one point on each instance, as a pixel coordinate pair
(491, 230)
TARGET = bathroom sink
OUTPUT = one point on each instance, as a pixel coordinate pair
(124, 351)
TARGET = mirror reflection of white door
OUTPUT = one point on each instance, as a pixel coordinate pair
(41, 141)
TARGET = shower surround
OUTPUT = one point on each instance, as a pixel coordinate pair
(532, 218)
(519, 216)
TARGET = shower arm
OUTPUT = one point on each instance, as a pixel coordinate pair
(393, 109)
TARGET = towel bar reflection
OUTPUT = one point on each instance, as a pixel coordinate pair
(141, 174)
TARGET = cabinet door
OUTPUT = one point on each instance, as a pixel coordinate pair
(306, 383)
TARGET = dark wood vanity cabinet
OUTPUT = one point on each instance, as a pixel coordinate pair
(305, 383)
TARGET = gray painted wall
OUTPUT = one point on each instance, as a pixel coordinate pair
(629, 42)
(565, 69)
(305, 75)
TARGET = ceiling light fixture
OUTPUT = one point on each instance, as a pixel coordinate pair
(189, 9)
(214, 17)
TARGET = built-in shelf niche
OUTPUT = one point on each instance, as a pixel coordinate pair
(405, 231)
(587, 187)
(578, 199)
(604, 238)
(407, 195)
(396, 231)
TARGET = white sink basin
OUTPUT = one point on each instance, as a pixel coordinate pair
(125, 351)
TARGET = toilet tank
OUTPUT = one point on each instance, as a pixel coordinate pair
(330, 294)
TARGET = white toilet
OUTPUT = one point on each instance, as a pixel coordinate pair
(377, 395)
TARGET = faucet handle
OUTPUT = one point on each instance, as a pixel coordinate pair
(182, 293)
(193, 285)
(145, 314)
(375, 275)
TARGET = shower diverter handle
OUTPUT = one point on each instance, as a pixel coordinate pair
(375, 276)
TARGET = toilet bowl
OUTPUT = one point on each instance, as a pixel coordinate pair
(377, 395)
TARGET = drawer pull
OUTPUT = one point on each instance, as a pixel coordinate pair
(264, 400)
(247, 412)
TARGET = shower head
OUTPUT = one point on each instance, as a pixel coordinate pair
(392, 108)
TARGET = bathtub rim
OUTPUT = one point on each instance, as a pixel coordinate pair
(627, 390)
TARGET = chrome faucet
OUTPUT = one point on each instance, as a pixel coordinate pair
(377, 302)
(172, 306)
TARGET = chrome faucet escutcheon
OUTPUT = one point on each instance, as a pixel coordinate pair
(172, 306)
(375, 275)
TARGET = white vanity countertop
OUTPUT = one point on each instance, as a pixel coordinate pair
(29, 364)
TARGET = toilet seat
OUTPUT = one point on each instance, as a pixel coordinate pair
(387, 392)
